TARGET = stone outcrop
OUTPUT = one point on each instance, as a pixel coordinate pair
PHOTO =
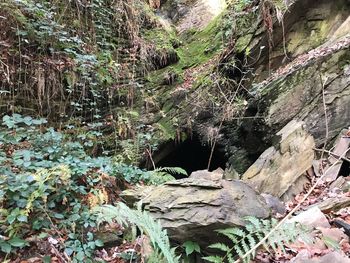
(192, 208)
(281, 165)
(192, 14)
(305, 71)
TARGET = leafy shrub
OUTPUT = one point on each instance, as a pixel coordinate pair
(46, 180)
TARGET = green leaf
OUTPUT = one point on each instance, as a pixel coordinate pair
(190, 247)
(27, 120)
(17, 242)
(22, 218)
(69, 251)
(220, 246)
(214, 259)
(80, 255)
(189, 250)
(5, 247)
(58, 216)
(99, 243)
(42, 235)
(11, 218)
(47, 259)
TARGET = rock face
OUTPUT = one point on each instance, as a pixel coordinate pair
(192, 14)
(281, 165)
(292, 78)
(192, 208)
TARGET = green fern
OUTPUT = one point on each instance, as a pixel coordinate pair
(165, 174)
(171, 170)
(123, 215)
(255, 230)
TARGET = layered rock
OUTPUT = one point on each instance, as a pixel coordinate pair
(281, 165)
(192, 208)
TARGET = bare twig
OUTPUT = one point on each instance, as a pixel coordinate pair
(6, 68)
(150, 157)
(214, 143)
(333, 154)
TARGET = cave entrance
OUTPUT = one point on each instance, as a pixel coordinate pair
(191, 155)
(345, 169)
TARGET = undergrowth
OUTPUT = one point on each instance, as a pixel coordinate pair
(243, 241)
(158, 237)
(48, 184)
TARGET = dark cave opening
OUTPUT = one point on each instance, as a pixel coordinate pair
(345, 169)
(191, 155)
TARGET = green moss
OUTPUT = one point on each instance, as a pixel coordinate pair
(200, 46)
(160, 37)
(167, 106)
(243, 42)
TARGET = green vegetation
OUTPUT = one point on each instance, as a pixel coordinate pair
(88, 91)
(158, 237)
(244, 240)
(48, 183)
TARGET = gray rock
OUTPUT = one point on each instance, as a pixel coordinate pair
(191, 208)
(335, 159)
(312, 217)
(205, 174)
(275, 204)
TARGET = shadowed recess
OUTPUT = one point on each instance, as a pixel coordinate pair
(190, 155)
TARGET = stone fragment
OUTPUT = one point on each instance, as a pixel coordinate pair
(338, 184)
(281, 165)
(274, 203)
(333, 204)
(312, 217)
(335, 159)
(302, 256)
(231, 173)
(335, 256)
(341, 224)
(205, 174)
(334, 233)
(296, 188)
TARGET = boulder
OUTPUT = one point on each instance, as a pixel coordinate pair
(192, 208)
(281, 165)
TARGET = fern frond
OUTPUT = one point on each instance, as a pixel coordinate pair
(171, 170)
(233, 231)
(253, 221)
(220, 246)
(213, 259)
(244, 240)
(123, 215)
